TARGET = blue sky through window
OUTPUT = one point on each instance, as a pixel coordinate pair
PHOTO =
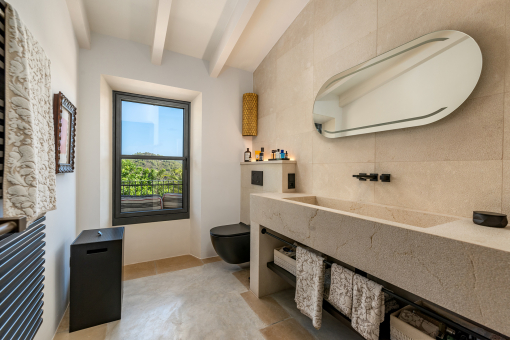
(152, 128)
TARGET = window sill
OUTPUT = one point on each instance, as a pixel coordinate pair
(149, 219)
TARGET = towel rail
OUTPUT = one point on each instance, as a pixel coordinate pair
(422, 309)
(7, 227)
(21, 277)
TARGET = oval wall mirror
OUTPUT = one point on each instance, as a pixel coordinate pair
(415, 84)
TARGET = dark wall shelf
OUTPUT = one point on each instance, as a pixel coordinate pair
(287, 276)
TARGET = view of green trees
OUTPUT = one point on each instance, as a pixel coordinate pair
(150, 176)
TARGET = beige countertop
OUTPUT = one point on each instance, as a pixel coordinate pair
(463, 229)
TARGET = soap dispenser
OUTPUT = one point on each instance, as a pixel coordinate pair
(247, 155)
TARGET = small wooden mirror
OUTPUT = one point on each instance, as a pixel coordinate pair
(65, 133)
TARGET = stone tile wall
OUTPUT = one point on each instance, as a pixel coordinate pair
(454, 166)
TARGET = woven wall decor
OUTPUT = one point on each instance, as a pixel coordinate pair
(250, 114)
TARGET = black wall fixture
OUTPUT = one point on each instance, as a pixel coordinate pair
(363, 177)
(257, 178)
(292, 181)
(373, 177)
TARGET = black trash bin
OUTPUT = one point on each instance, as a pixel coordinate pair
(96, 278)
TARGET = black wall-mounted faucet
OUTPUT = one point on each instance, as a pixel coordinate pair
(372, 177)
(364, 177)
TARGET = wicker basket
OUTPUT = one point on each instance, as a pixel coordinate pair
(284, 261)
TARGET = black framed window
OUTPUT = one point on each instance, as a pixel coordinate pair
(150, 159)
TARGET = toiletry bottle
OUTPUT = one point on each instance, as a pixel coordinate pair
(282, 155)
(257, 154)
(247, 155)
(273, 157)
(277, 154)
(286, 155)
(261, 156)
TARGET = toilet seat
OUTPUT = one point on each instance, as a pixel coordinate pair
(230, 230)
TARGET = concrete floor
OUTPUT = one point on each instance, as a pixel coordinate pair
(210, 300)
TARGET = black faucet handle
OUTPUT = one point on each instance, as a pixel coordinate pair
(385, 177)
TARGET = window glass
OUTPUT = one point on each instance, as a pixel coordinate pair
(152, 130)
(150, 184)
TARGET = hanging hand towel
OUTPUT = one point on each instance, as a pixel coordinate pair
(340, 294)
(29, 171)
(310, 284)
(367, 307)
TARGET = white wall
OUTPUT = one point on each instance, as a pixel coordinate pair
(219, 151)
(50, 24)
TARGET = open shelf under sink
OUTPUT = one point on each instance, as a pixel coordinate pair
(291, 279)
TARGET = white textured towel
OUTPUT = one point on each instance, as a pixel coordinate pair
(340, 293)
(310, 284)
(367, 307)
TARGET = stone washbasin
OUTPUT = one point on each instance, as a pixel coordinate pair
(393, 214)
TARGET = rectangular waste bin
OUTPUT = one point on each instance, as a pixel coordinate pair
(96, 278)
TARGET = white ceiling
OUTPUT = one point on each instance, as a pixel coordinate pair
(126, 19)
(270, 20)
(196, 27)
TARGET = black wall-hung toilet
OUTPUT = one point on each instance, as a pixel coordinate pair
(232, 242)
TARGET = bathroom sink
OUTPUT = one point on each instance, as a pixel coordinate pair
(406, 216)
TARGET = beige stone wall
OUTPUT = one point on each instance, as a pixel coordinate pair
(454, 166)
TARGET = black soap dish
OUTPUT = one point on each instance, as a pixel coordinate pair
(490, 219)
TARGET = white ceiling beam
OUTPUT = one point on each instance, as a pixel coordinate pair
(162, 19)
(80, 22)
(235, 27)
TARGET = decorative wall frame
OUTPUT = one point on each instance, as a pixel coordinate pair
(64, 113)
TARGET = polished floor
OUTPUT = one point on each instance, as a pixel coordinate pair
(188, 298)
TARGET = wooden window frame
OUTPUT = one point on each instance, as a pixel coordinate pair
(120, 218)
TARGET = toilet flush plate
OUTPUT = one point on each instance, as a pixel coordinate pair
(257, 178)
